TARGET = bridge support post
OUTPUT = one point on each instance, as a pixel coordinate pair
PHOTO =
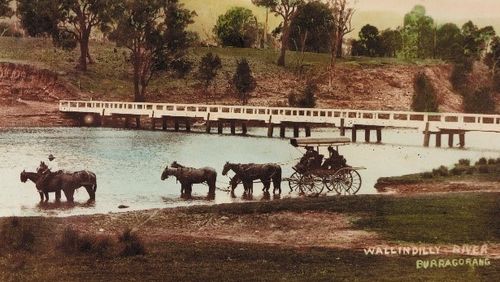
(308, 131)
(188, 125)
(244, 128)
(282, 130)
(164, 123)
(295, 131)
(153, 123)
(220, 127)
(379, 135)
(208, 126)
(438, 139)
(270, 129)
(127, 122)
(450, 139)
(427, 135)
(354, 133)
(461, 136)
(367, 135)
(138, 122)
(342, 127)
(233, 127)
(176, 125)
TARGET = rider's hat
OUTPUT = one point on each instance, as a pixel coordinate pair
(51, 157)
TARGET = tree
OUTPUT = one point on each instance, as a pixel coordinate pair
(243, 81)
(5, 10)
(310, 29)
(475, 40)
(286, 9)
(155, 33)
(342, 15)
(370, 40)
(449, 41)
(237, 27)
(481, 101)
(493, 62)
(68, 22)
(307, 99)
(418, 34)
(391, 42)
(208, 70)
(424, 98)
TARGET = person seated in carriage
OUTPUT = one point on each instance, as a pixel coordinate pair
(310, 160)
(335, 161)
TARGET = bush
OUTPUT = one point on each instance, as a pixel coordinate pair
(8, 30)
(427, 175)
(131, 244)
(480, 101)
(73, 243)
(470, 170)
(441, 171)
(307, 99)
(482, 161)
(16, 235)
(492, 161)
(424, 98)
(459, 78)
(464, 162)
(457, 170)
(483, 169)
(243, 81)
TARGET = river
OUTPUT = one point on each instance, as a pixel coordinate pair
(128, 163)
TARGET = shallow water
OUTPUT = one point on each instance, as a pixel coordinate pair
(128, 163)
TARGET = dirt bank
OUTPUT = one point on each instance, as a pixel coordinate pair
(439, 187)
(28, 96)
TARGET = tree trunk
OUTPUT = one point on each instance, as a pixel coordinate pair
(339, 47)
(284, 43)
(137, 89)
(84, 47)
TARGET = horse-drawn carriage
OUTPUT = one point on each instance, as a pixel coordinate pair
(312, 175)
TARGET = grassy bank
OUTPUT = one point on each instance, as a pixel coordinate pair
(451, 219)
(110, 77)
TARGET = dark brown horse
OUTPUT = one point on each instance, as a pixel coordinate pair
(247, 173)
(189, 176)
(33, 176)
(68, 182)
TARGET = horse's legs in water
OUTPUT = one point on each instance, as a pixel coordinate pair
(69, 194)
(58, 196)
(90, 190)
(41, 196)
(189, 189)
(267, 184)
(46, 196)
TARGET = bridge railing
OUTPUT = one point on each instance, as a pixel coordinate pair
(278, 115)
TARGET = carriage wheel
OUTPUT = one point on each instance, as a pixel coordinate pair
(346, 181)
(314, 184)
(296, 182)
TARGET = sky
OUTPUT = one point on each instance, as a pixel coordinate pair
(381, 13)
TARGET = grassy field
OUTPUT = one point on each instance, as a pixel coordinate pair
(446, 219)
(110, 76)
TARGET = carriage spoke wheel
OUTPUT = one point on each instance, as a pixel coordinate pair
(346, 181)
(295, 181)
(314, 184)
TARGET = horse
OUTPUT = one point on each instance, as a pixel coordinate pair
(189, 176)
(247, 173)
(68, 182)
(33, 176)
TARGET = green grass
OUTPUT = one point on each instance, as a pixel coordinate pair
(111, 75)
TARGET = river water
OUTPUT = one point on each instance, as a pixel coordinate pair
(128, 163)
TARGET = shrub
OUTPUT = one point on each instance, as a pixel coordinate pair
(464, 162)
(243, 81)
(307, 99)
(457, 170)
(482, 161)
(427, 175)
(16, 235)
(459, 77)
(131, 244)
(492, 161)
(470, 170)
(480, 101)
(72, 243)
(424, 98)
(441, 171)
(483, 169)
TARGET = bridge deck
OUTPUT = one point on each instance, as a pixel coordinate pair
(278, 115)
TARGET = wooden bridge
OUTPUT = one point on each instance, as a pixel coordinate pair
(438, 124)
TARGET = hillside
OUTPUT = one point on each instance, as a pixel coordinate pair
(360, 83)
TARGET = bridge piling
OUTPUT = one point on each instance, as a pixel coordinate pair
(188, 125)
(438, 139)
(176, 125)
(244, 128)
(138, 122)
(220, 127)
(342, 127)
(282, 130)
(270, 129)
(164, 123)
(295, 131)
(367, 135)
(153, 123)
(427, 135)
(379, 135)
(208, 128)
(233, 127)
(353, 134)
(450, 139)
(308, 130)
(461, 136)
